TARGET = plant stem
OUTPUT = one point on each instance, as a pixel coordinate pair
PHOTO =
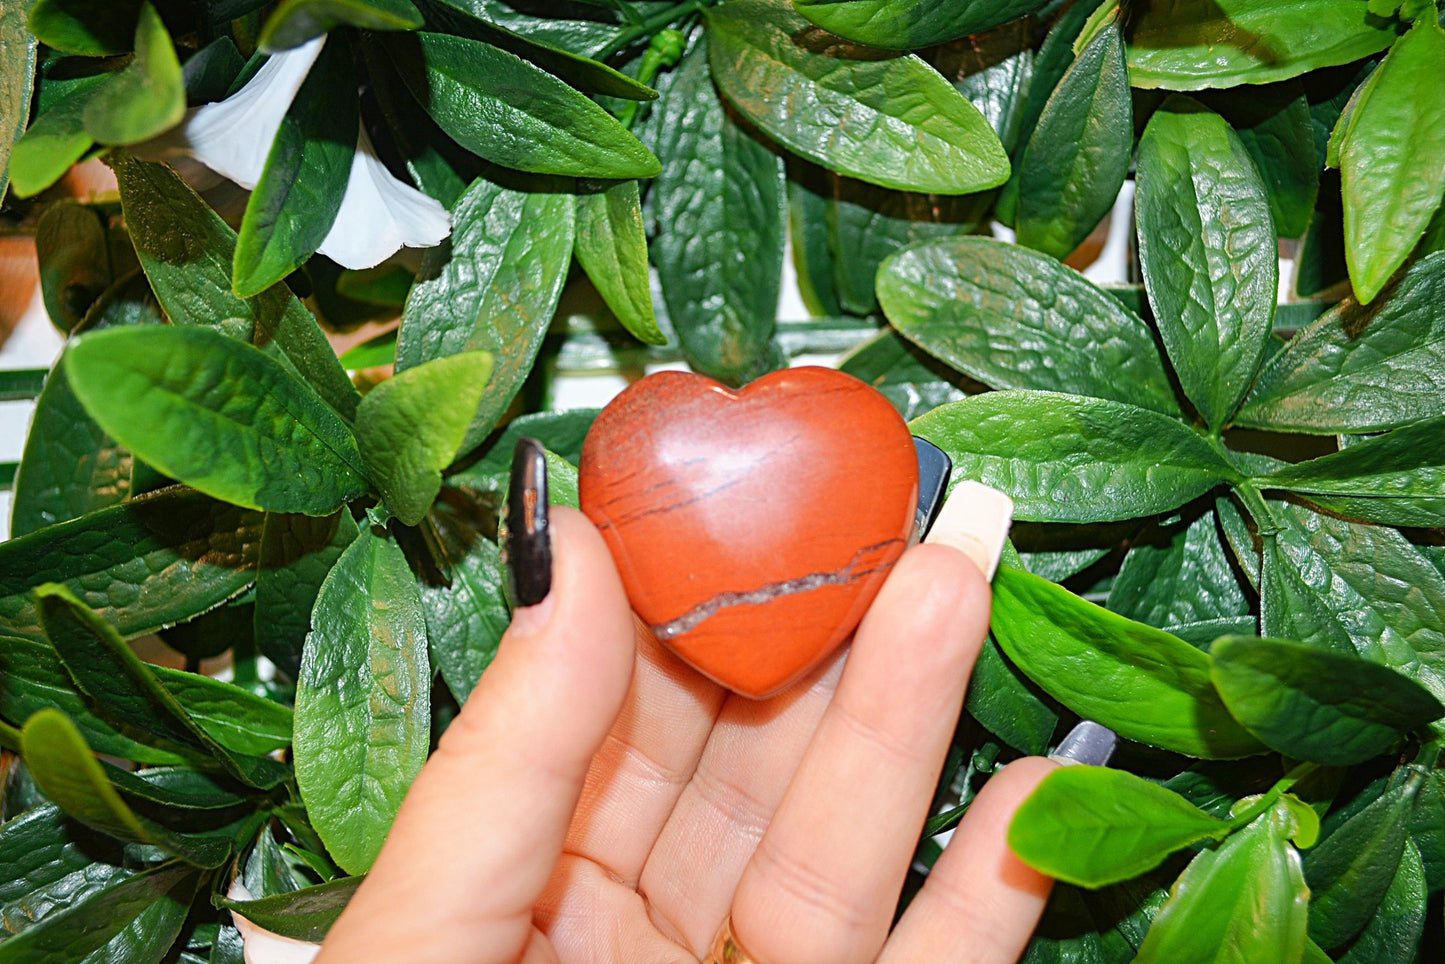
(651, 25)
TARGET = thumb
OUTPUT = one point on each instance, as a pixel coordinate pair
(482, 827)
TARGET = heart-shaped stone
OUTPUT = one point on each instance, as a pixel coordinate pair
(752, 529)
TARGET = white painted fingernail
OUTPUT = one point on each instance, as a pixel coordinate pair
(974, 520)
(1089, 743)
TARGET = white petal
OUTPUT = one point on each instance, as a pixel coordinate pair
(262, 946)
(233, 137)
(380, 214)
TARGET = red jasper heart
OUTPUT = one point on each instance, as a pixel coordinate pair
(752, 529)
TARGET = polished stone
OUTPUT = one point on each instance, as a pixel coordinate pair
(752, 529)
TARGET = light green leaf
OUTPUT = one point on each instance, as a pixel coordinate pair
(363, 704)
(297, 21)
(911, 24)
(145, 97)
(1351, 869)
(17, 75)
(612, 249)
(297, 551)
(1209, 254)
(55, 141)
(465, 621)
(887, 119)
(234, 717)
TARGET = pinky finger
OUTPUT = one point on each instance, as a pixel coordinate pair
(980, 899)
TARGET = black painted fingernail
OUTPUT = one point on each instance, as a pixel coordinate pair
(934, 467)
(528, 550)
(1089, 743)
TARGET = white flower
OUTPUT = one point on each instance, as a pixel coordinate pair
(379, 214)
(263, 947)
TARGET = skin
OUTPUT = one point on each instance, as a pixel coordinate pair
(597, 800)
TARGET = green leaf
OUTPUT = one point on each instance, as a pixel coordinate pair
(234, 717)
(137, 918)
(612, 249)
(1006, 705)
(363, 700)
(1193, 44)
(73, 248)
(1209, 253)
(814, 259)
(513, 113)
(1078, 155)
(1141, 682)
(1393, 935)
(1188, 579)
(1245, 901)
(303, 915)
(1095, 826)
(1312, 704)
(219, 415)
(465, 620)
(1014, 319)
(293, 206)
(92, 28)
(1395, 479)
(49, 862)
(55, 141)
(911, 24)
(297, 21)
(494, 290)
(912, 381)
(187, 250)
(175, 788)
(297, 551)
(886, 119)
(1274, 124)
(1351, 869)
(1360, 368)
(993, 71)
(153, 561)
(1066, 458)
(560, 432)
(721, 184)
(145, 97)
(1391, 186)
(1427, 827)
(17, 74)
(410, 427)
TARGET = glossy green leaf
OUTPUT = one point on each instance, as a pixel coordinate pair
(304, 915)
(612, 249)
(1244, 901)
(1351, 869)
(1274, 124)
(1427, 828)
(1187, 579)
(48, 862)
(1312, 704)
(1209, 253)
(234, 717)
(886, 119)
(363, 700)
(993, 70)
(293, 206)
(1006, 705)
(1094, 826)
(911, 24)
(175, 788)
(146, 96)
(814, 259)
(1393, 934)
(92, 28)
(1360, 368)
(219, 415)
(411, 426)
(151, 562)
(912, 381)
(297, 551)
(1066, 458)
(560, 432)
(1141, 682)
(297, 21)
(55, 141)
(513, 113)
(17, 76)
(1392, 187)
(1015, 319)
(721, 184)
(1078, 155)
(1193, 44)
(465, 620)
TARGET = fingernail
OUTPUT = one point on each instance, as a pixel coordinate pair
(1089, 743)
(974, 520)
(527, 553)
(934, 467)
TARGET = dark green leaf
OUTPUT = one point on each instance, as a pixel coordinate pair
(1245, 901)
(1273, 122)
(1015, 319)
(294, 205)
(1427, 827)
(175, 788)
(809, 189)
(993, 71)
(219, 415)
(1141, 682)
(1066, 458)
(887, 119)
(465, 621)
(1192, 44)
(362, 700)
(1393, 935)
(234, 717)
(269, 870)
(1351, 869)
(1093, 826)
(92, 28)
(297, 551)
(1311, 704)
(1360, 368)
(73, 248)
(386, 286)
(22, 384)
(912, 381)
(911, 24)
(304, 915)
(1006, 705)
(721, 184)
(146, 96)
(1209, 253)
(515, 114)
(55, 141)
(612, 249)
(49, 862)
(153, 561)
(1186, 579)
(210, 71)
(1072, 931)
(297, 21)
(1391, 186)
(1078, 155)
(561, 432)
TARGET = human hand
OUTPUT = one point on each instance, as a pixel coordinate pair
(597, 800)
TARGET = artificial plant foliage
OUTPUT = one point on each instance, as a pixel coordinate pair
(1228, 510)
